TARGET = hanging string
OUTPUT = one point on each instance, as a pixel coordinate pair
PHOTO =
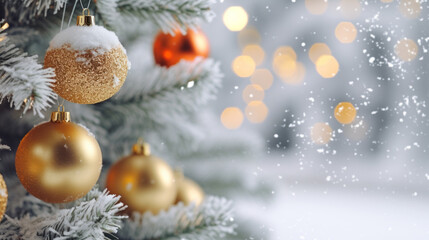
(81, 4)
(71, 16)
(64, 13)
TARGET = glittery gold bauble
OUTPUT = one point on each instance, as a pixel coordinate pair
(3, 197)
(58, 161)
(144, 182)
(89, 61)
(188, 191)
(169, 50)
(345, 112)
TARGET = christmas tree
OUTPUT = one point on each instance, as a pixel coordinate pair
(43, 55)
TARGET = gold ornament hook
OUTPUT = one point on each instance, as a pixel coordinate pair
(85, 20)
(141, 148)
(60, 115)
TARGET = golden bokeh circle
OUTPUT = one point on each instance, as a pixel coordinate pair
(256, 112)
(410, 8)
(317, 50)
(243, 66)
(232, 118)
(253, 92)
(350, 8)
(321, 133)
(316, 7)
(345, 113)
(235, 18)
(327, 66)
(345, 32)
(263, 78)
(406, 49)
(255, 52)
(298, 76)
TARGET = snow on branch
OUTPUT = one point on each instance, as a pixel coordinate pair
(161, 108)
(93, 217)
(25, 11)
(212, 220)
(166, 14)
(3, 147)
(23, 81)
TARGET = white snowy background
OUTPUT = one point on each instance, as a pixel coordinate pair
(369, 186)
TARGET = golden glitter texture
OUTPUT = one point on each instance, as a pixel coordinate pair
(58, 161)
(87, 77)
(3, 197)
(145, 182)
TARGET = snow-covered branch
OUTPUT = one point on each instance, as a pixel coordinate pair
(161, 107)
(25, 11)
(166, 14)
(23, 81)
(93, 217)
(212, 220)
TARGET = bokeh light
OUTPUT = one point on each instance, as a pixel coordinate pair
(345, 32)
(243, 66)
(410, 8)
(5, 26)
(350, 8)
(232, 118)
(321, 133)
(406, 49)
(297, 77)
(263, 78)
(256, 52)
(345, 113)
(285, 51)
(256, 112)
(318, 50)
(235, 18)
(316, 7)
(249, 35)
(284, 66)
(327, 66)
(356, 131)
(386, 1)
(253, 92)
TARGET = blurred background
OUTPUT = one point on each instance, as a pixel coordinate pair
(328, 175)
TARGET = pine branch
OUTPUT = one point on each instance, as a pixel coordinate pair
(23, 81)
(161, 109)
(92, 218)
(212, 220)
(25, 11)
(166, 14)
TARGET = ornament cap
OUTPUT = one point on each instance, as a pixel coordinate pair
(85, 20)
(60, 115)
(141, 148)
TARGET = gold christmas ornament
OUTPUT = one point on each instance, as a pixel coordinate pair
(58, 161)
(3, 197)
(144, 182)
(89, 61)
(187, 190)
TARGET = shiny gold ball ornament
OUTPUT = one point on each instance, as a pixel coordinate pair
(144, 182)
(3, 197)
(58, 161)
(187, 190)
(169, 50)
(89, 61)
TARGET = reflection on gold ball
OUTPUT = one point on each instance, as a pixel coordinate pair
(345, 112)
(169, 50)
(89, 76)
(144, 182)
(3, 197)
(58, 162)
(188, 191)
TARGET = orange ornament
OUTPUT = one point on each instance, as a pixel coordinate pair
(169, 50)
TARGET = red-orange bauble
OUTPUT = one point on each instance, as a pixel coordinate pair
(169, 50)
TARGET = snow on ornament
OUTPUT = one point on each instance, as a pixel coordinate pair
(89, 61)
